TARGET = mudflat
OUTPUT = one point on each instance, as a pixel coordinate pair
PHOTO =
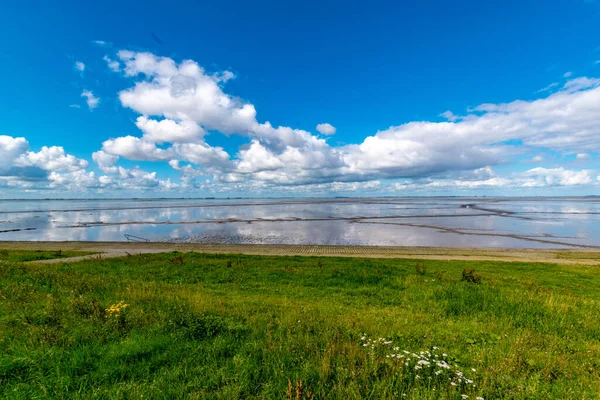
(118, 249)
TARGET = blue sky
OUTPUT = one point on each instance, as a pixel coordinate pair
(383, 74)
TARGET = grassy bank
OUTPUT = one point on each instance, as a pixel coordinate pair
(38, 255)
(221, 326)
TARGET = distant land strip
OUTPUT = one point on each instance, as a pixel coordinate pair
(121, 249)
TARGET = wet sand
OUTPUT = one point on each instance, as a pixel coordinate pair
(120, 249)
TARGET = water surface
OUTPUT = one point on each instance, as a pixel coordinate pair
(460, 222)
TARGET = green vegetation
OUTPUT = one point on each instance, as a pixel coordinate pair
(201, 326)
(578, 255)
(37, 255)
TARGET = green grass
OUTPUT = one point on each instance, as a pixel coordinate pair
(578, 255)
(220, 326)
(38, 255)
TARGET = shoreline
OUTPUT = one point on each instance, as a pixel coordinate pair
(120, 249)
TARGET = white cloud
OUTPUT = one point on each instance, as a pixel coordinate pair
(203, 154)
(91, 100)
(449, 115)
(581, 83)
(10, 149)
(134, 148)
(79, 66)
(74, 106)
(549, 87)
(74, 180)
(567, 74)
(101, 43)
(52, 158)
(326, 129)
(106, 162)
(559, 177)
(168, 130)
(52, 169)
(112, 64)
(22, 168)
(180, 102)
(531, 179)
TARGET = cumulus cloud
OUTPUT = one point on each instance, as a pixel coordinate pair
(582, 156)
(91, 100)
(79, 66)
(179, 102)
(168, 130)
(326, 129)
(112, 64)
(52, 168)
(559, 177)
(52, 158)
(567, 74)
(10, 150)
(106, 162)
(134, 148)
(532, 179)
(19, 166)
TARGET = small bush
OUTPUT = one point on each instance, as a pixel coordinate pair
(177, 260)
(420, 269)
(470, 276)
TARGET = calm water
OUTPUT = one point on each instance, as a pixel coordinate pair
(472, 222)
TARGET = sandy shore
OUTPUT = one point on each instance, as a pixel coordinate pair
(117, 249)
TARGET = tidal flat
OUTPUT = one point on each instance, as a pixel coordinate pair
(541, 222)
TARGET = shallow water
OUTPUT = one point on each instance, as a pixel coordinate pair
(471, 222)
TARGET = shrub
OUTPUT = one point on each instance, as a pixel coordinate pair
(470, 276)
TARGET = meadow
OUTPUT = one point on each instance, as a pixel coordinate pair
(38, 255)
(192, 325)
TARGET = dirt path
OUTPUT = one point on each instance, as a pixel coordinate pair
(120, 249)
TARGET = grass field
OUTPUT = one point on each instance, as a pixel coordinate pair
(190, 325)
(38, 255)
